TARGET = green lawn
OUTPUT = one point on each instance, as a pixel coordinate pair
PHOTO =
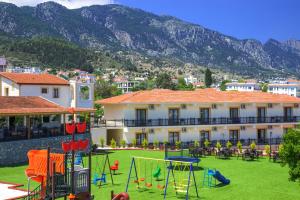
(257, 180)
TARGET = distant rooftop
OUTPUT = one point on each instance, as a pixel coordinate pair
(34, 79)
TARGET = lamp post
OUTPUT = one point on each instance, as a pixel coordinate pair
(270, 142)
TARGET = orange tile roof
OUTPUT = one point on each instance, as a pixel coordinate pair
(198, 96)
(28, 105)
(34, 79)
(21, 105)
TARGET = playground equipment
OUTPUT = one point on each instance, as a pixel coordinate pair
(60, 172)
(183, 155)
(211, 176)
(121, 196)
(115, 167)
(102, 168)
(142, 171)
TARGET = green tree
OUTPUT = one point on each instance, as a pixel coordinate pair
(183, 86)
(104, 89)
(164, 80)
(208, 78)
(290, 153)
(264, 87)
(223, 85)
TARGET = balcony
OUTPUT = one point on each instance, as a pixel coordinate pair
(195, 121)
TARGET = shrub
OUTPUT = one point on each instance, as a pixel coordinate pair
(218, 145)
(113, 143)
(178, 144)
(134, 142)
(123, 143)
(252, 146)
(267, 149)
(196, 143)
(229, 145)
(102, 142)
(206, 143)
(239, 146)
(155, 144)
(145, 143)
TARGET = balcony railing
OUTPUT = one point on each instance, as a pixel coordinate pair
(22, 132)
(195, 121)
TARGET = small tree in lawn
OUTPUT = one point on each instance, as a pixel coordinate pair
(134, 142)
(229, 145)
(145, 143)
(239, 146)
(113, 143)
(218, 146)
(206, 143)
(102, 142)
(252, 146)
(290, 153)
(155, 144)
(196, 144)
(178, 144)
(267, 149)
(123, 143)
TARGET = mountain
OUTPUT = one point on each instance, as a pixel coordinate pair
(142, 34)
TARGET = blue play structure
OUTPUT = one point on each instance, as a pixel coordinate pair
(211, 176)
(101, 179)
(78, 160)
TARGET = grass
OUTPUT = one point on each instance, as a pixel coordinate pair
(250, 180)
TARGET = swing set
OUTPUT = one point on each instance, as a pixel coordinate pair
(102, 168)
(146, 171)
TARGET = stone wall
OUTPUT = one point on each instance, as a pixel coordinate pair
(15, 152)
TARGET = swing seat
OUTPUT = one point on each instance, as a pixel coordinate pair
(149, 185)
(161, 187)
(136, 181)
(181, 191)
(141, 179)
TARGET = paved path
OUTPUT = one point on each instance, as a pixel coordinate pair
(9, 191)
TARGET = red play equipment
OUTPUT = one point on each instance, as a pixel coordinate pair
(37, 169)
(121, 196)
(115, 167)
(70, 128)
(81, 126)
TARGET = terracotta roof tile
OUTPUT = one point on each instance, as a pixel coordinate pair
(34, 79)
(198, 96)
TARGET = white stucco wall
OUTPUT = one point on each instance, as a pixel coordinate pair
(35, 90)
(12, 87)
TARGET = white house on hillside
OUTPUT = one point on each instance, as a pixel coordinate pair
(243, 87)
(289, 87)
(167, 115)
(47, 86)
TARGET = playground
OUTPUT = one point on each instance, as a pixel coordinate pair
(259, 179)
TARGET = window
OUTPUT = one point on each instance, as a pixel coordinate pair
(288, 112)
(234, 112)
(140, 137)
(173, 137)
(84, 93)
(261, 135)
(174, 113)
(6, 92)
(204, 114)
(204, 135)
(261, 114)
(141, 116)
(44, 90)
(234, 135)
(55, 92)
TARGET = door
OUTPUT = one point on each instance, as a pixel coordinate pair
(173, 137)
(141, 117)
(234, 115)
(261, 136)
(204, 115)
(288, 114)
(234, 136)
(173, 116)
(204, 135)
(261, 114)
(140, 137)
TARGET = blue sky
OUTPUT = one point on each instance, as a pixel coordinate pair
(256, 19)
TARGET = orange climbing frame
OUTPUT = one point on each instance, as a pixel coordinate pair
(37, 168)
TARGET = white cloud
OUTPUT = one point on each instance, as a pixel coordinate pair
(68, 3)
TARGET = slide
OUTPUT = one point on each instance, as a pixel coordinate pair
(121, 196)
(221, 178)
